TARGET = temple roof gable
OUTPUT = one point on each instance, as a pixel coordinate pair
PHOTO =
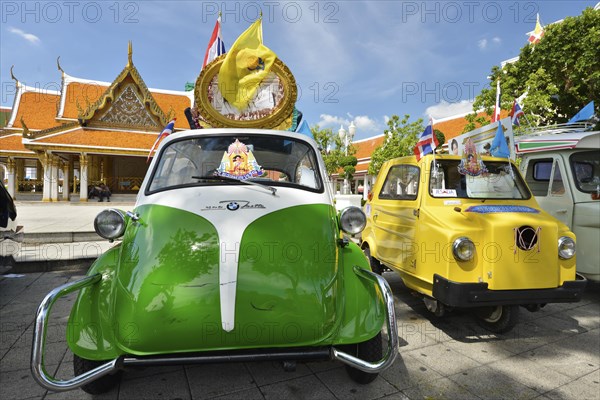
(127, 102)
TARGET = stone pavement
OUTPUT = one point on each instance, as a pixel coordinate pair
(551, 354)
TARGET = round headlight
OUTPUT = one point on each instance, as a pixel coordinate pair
(353, 220)
(110, 224)
(566, 247)
(463, 249)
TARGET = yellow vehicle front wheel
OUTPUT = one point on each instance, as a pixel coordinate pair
(373, 262)
(498, 319)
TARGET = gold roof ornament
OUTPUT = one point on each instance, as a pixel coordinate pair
(26, 132)
(59, 67)
(13, 75)
(130, 54)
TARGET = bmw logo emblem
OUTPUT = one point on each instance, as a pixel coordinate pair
(233, 206)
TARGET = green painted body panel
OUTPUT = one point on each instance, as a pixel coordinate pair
(90, 331)
(160, 289)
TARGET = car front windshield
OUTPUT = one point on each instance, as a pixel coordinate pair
(492, 180)
(237, 159)
(586, 170)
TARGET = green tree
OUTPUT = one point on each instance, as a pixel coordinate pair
(560, 74)
(334, 154)
(400, 140)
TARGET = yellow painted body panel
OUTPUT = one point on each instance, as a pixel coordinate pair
(415, 238)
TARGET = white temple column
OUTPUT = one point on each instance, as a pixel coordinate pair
(83, 177)
(46, 161)
(66, 182)
(54, 177)
(11, 169)
(366, 186)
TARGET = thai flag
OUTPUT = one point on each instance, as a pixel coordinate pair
(516, 113)
(496, 116)
(216, 47)
(427, 142)
(165, 132)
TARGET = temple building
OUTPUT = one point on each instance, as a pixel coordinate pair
(56, 144)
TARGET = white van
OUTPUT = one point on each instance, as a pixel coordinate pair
(563, 173)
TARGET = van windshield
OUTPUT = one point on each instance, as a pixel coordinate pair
(233, 160)
(586, 170)
(495, 180)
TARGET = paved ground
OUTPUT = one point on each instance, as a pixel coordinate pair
(552, 354)
(38, 217)
(58, 231)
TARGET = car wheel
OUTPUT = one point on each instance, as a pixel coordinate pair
(499, 319)
(101, 385)
(371, 350)
(373, 262)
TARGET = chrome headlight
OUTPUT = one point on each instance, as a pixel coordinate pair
(463, 249)
(566, 247)
(353, 220)
(110, 224)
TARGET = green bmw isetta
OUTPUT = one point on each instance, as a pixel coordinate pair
(233, 252)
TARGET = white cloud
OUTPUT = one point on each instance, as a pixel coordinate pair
(30, 37)
(364, 124)
(484, 43)
(445, 109)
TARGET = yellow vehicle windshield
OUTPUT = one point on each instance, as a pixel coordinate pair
(493, 180)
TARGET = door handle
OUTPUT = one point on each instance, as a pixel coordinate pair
(375, 217)
(561, 211)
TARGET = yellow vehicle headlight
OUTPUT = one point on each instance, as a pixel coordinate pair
(566, 247)
(353, 220)
(463, 249)
(110, 224)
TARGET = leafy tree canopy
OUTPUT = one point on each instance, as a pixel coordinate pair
(560, 74)
(400, 140)
(333, 152)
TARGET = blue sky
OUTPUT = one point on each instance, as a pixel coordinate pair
(360, 61)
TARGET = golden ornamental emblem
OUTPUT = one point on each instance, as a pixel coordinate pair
(270, 108)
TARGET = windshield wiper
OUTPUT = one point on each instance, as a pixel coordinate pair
(228, 179)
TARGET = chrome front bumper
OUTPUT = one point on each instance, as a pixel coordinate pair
(49, 382)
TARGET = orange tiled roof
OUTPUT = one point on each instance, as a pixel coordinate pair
(454, 127)
(101, 138)
(84, 93)
(13, 143)
(178, 103)
(38, 110)
(365, 148)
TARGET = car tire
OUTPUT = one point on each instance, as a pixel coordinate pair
(499, 319)
(376, 266)
(99, 386)
(370, 350)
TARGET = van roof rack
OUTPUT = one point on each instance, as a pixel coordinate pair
(560, 128)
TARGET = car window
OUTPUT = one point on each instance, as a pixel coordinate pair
(586, 170)
(499, 180)
(401, 183)
(273, 160)
(538, 176)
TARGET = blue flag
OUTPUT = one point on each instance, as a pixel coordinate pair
(584, 114)
(499, 147)
(304, 129)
